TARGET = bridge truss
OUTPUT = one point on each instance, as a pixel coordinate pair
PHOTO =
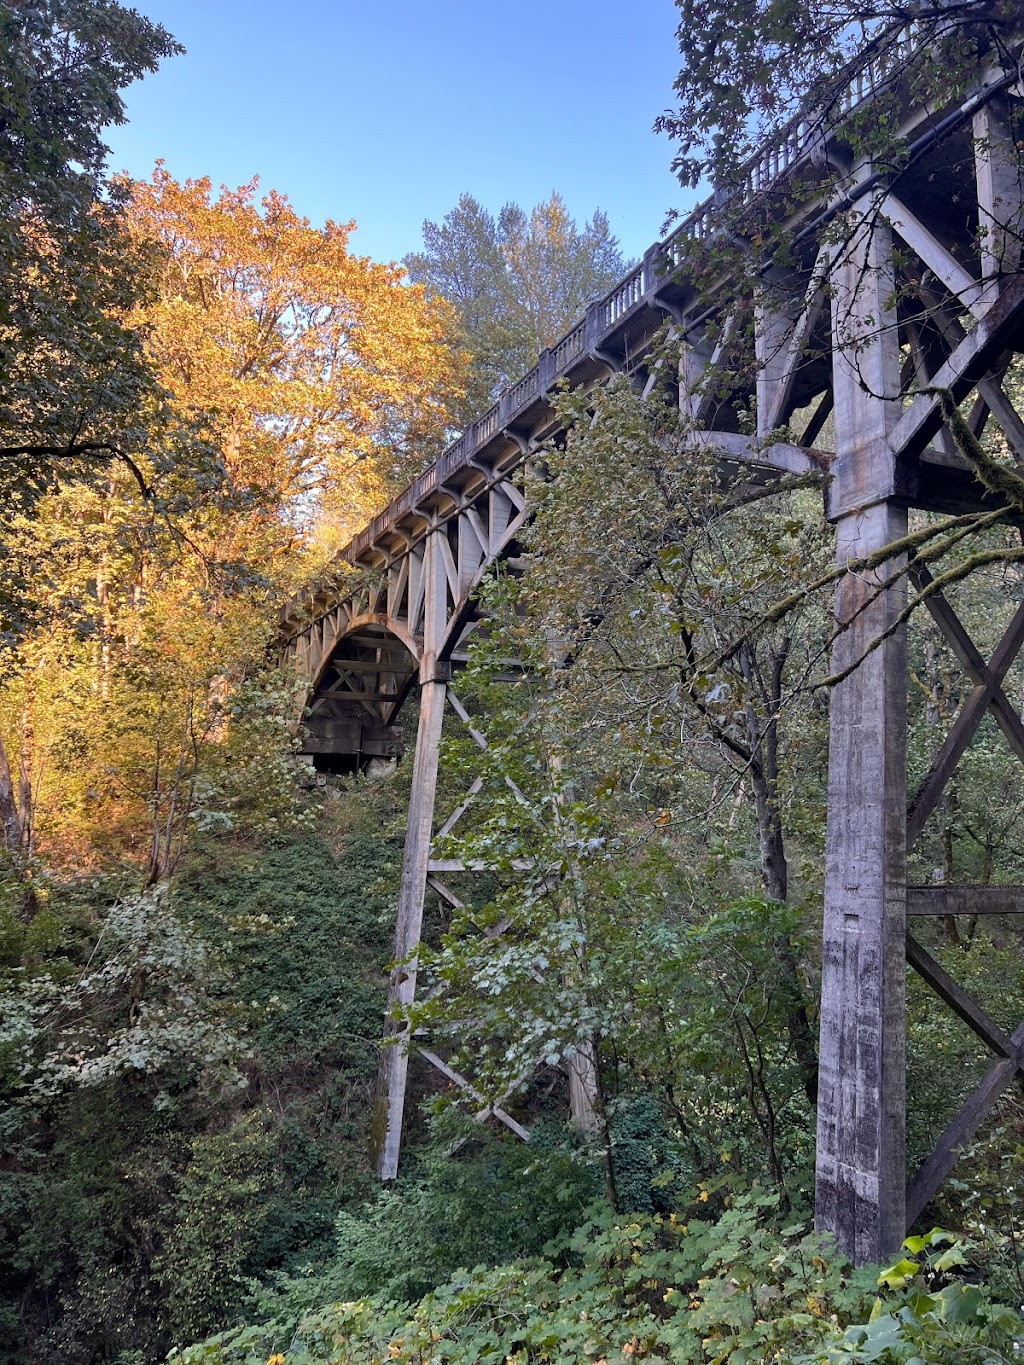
(923, 297)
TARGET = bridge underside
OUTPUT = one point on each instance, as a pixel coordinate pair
(413, 615)
(352, 715)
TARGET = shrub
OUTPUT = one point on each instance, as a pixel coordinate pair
(736, 1291)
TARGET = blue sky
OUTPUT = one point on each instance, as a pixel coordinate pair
(386, 112)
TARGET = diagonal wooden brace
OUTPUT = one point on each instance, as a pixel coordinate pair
(987, 694)
(957, 999)
(975, 1110)
(488, 1109)
(970, 361)
(979, 1105)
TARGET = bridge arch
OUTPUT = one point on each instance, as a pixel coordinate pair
(355, 625)
(361, 678)
(364, 653)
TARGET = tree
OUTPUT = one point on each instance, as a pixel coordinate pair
(517, 282)
(75, 390)
(65, 63)
(676, 840)
(748, 68)
(302, 384)
(798, 115)
(321, 378)
(71, 374)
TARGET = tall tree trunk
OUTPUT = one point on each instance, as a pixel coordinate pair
(586, 1101)
(103, 597)
(10, 818)
(16, 832)
(26, 802)
(764, 782)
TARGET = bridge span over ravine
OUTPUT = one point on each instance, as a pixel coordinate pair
(839, 336)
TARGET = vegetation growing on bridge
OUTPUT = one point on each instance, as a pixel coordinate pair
(200, 397)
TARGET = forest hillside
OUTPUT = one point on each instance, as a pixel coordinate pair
(203, 397)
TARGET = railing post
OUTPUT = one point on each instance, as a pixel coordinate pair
(545, 371)
(654, 268)
(594, 325)
(469, 441)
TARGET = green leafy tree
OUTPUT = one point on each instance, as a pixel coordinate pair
(517, 281)
(652, 794)
(64, 259)
(141, 1176)
(65, 63)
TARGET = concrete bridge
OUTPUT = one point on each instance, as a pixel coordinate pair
(838, 335)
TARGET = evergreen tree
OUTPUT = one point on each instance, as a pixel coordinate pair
(518, 281)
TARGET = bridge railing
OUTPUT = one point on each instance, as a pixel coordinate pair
(486, 426)
(521, 393)
(570, 347)
(623, 297)
(771, 163)
(775, 158)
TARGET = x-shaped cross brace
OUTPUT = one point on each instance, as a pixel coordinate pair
(1008, 1048)
(489, 1109)
(987, 694)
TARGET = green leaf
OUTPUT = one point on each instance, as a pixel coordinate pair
(896, 1276)
(948, 1259)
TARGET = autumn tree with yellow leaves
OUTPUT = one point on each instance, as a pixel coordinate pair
(306, 383)
(323, 377)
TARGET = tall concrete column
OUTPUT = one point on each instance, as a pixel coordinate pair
(393, 1074)
(861, 1158)
(860, 1172)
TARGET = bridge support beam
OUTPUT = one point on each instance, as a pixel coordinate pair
(860, 1166)
(861, 1163)
(393, 1075)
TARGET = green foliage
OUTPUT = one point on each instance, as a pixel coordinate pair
(498, 1198)
(147, 1003)
(936, 1323)
(973, 835)
(141, 1183)
(517, 282)
(945, 1059)
(306, 933)
(644, 1157)
(984, 1197)
(64, 66)
(246, 782)
(83, 1187)
(734, 1291)
(218, 1211)
(186, 1067)
(663, 952)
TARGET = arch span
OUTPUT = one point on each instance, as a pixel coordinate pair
(364, 653)
(362, 678)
